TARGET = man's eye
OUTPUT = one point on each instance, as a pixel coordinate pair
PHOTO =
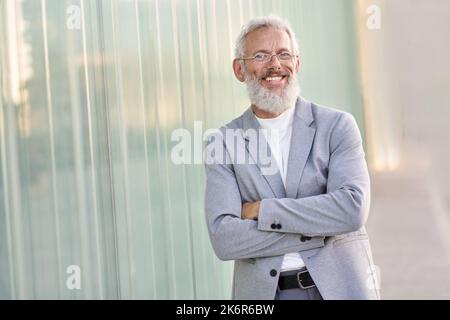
(285, 56)
(260, 56)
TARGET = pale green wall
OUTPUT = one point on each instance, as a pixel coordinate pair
(86, 177)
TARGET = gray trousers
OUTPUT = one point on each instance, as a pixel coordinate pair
(297, 293)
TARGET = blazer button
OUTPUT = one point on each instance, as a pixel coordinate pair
(273, 272)
(304, 238)
(278, 226)
(273, 226)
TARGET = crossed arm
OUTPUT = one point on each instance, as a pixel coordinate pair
(250, 210)
(236, 234)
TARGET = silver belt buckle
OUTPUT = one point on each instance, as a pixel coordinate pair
(300, 280)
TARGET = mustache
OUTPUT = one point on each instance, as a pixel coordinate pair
(268, 74)
(274, 74)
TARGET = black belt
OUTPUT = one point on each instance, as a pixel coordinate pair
(301, 279)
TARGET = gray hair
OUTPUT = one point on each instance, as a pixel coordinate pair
(271, 21)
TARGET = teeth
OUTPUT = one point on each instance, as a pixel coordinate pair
(273, 78)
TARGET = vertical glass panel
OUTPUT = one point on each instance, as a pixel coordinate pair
(55, 159)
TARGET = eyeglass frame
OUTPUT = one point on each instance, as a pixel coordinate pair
(270, 57)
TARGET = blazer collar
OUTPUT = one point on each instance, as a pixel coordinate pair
(301, 142)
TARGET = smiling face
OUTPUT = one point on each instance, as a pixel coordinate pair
(272, 85)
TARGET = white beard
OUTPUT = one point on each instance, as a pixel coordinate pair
(269, 101)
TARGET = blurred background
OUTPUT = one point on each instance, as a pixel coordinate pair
(91, 91)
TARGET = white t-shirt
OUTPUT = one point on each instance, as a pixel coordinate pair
(278, 135)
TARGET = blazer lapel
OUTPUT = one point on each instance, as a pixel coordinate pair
(301, 142)
(252, 138)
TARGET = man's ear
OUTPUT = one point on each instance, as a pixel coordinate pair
(238, 70)
(298, 64)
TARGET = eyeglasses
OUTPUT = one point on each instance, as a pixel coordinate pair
(262, 57)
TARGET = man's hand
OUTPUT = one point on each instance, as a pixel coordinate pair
(250, 210)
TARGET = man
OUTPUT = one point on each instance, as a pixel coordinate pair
(296, 232)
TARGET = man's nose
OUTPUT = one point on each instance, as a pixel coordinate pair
(274, 62)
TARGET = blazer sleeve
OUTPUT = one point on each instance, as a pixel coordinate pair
(345, 206)
(233, 238)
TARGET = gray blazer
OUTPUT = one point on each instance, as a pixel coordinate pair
(320, 214)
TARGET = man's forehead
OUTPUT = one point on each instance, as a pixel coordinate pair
(267, 36)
